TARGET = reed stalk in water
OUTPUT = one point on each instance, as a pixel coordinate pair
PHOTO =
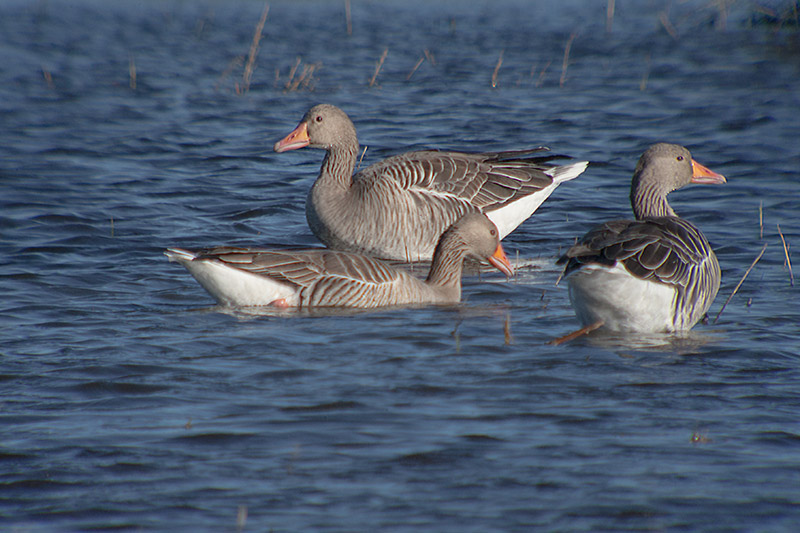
(348, 19)
(758, 257)
(131, 73)
(565, 62)
(497, 69)
(378, 67)
(251, 57)
(786, 253)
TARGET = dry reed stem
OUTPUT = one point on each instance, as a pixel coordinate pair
(565, 63)
(497, 69)
(347, 17)
(302, 81)
(378, 67)
(786, 253)
(251, 57)
(646, 75)
(131, 73)
(663, 17)
(540, 80)
(722, 21)
(48, 78)
(416, 66)
(293, 70)
(609, 15)
(429, 56)
(241, 518)
(761, 220)
(577, 333)
(360, 159)
(758, 257)
(232, 64)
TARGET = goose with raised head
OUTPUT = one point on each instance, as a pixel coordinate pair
(654, 274)
(329, 278)
(398, 207)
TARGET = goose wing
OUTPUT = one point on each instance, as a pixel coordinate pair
(321, 277)
(666, 250)
(484, 180)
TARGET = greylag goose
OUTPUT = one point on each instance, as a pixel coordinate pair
(398, 207)
(315, 278)
(653, 274)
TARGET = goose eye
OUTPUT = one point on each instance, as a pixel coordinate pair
(318, 118)
(680, 158)
(493, 232)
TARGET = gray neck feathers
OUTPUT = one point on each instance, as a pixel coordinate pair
(338, 165)
(649, 196)
(448, 260)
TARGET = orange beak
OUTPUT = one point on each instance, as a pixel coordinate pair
(500, 261)
(701, 174)
(297, 139)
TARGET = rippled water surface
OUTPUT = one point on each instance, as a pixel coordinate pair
(130, 402)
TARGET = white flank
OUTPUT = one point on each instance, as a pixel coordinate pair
(508, 217)
(623, 301)
(231, 286)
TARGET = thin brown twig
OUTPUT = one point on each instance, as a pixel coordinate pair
(131, 73)
(48, 78)
(232, 64)
(293, 71)
(540, 79)
(360, 159)
(497, 69)
(305, 78)
(577, 333)
(416, 66)
(609, 15)
(347, 17)
(735, 290)
(663, 17)
(241, 518)
(565, 63)
(722, 21)
(378, 67)
(646, 75)
(786, 252)
(251, 57)
(761, 220)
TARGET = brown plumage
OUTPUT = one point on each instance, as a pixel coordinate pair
(398, 207)
(329, 278)
(655, 273)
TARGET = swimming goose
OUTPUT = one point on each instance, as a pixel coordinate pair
(314, 278)
(653, 274)
(398, 207)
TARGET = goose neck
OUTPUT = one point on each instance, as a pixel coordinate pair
(649, 200)
(448, 262)
(338, 165)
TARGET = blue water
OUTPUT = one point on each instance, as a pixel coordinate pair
(130, 402)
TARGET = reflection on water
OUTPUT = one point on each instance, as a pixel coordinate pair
(684, 344)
